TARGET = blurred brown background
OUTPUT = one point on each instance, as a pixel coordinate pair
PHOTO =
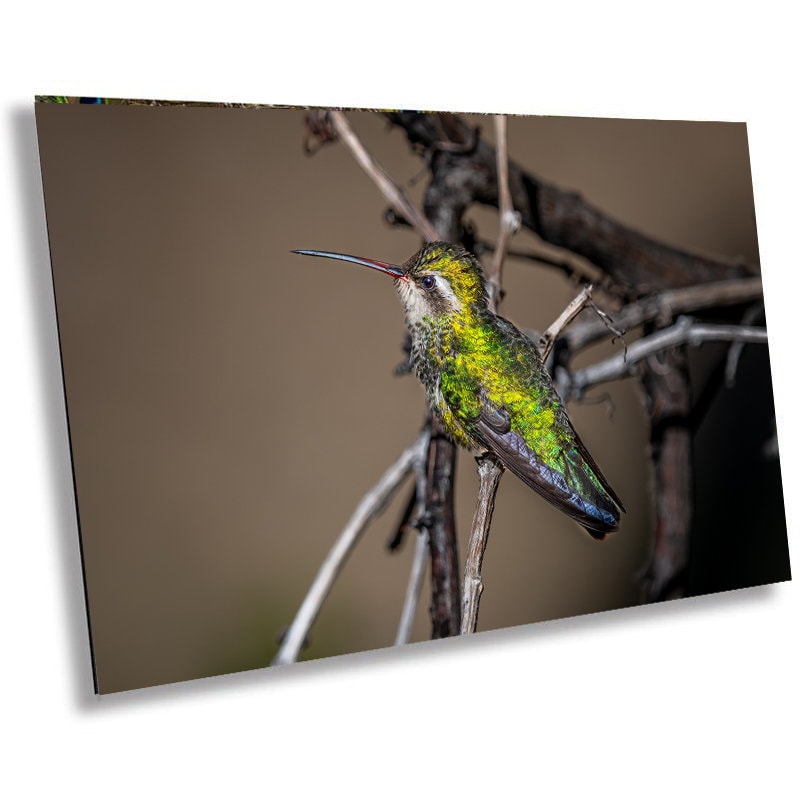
(229, 402)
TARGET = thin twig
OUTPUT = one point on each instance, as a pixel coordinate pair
(370, 506)
(420, 548)
(548, 338)
(736, 349)
(438, 494)
(684, 331)
(573, 268)
(509, 219)
(583, 300)
(489, 473)
(414, 588)
(394, 195)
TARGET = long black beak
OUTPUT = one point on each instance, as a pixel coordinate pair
(388, 269)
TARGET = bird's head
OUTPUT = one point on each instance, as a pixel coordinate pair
(439, 280)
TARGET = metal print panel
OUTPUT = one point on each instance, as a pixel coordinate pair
(274, 455)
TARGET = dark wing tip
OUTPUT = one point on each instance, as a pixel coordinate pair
(600, 533)
(571, 492)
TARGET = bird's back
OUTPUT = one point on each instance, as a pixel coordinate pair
(499, 393)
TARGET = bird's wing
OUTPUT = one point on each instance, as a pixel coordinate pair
(566, 482)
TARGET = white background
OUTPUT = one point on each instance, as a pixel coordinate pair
(696, 698)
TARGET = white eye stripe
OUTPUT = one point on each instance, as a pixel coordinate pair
(443, 285)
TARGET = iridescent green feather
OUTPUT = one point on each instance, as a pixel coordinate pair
(476, 366)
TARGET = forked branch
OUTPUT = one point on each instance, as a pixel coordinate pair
(420, 547)
(391, 191)
(684, 331)
(370, 507)
(465, 170)
(665, 305)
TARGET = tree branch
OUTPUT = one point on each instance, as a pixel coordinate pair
(509, 219)
(664, 305)
(684, 331)
(420, 548)
(668, 396)
(464, 170)
(735, 352)
(445, 609)
(637, 263)
(490, 470)
(548, 338)
(414, 588)
(370, 506)
(393, 194)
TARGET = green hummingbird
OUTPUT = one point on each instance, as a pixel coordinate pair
(487, 383)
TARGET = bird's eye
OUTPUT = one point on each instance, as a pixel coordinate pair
(428, 282)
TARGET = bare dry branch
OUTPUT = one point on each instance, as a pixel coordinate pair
(548, 338)
(465, 170)
(736, 349)
(413, 589)
(509, 219)
(464, 176)
(668, 396)
(684, 331)
(664, 305)
(394, 195)
(489, 472)
(573, 268)
(370, 506)
(445, 607)
(420, 548)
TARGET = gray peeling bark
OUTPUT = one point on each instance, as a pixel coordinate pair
(445, 610)
(463, 171)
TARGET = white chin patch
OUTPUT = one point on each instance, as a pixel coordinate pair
(414, 302)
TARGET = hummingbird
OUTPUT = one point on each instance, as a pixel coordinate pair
(486, 382)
